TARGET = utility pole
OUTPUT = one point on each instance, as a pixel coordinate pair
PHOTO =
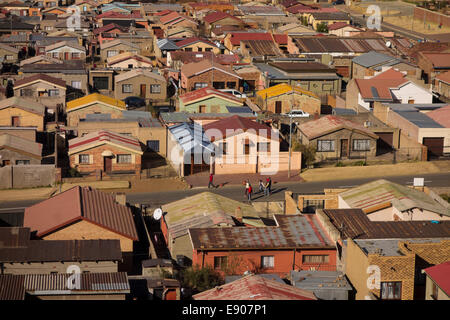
(290, 132)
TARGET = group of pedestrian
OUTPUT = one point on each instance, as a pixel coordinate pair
(263, 187)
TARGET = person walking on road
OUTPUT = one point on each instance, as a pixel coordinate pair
(247, 185)
(249, 193)
(266, 188)
(211, 184)
(261, 186)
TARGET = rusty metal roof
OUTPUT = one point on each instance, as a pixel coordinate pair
(80, 203)
(14, 237)
(255, 287)
(292, 231)
(11, 287)
(63, 250)
(354, 224)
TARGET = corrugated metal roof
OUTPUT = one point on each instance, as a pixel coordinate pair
(14, 237)
(354, 224)
(63, 250)
(255, 287)
(80, 203)
(419, 119)
(293, 231)
(323, 280)
(191, 137)
(261, 48)
(11, 287)
(95, 98)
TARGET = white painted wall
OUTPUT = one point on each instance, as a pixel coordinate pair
(411, 91)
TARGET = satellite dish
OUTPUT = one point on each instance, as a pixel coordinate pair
(388, 44)
(157, 214)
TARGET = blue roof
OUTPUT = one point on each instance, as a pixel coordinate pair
(419, 119)
(343, 111)
(373, 58)
(239, 110)
(191, 137)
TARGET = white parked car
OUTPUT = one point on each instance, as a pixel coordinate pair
(297, 114)
(235, 93)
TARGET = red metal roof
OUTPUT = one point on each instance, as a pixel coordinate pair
(337, 25)
(441, 116)
(206, 92)
(440, 275)
(218, 15)
(237, 37)
(254, 287)
(236, 124)
(80, 203)
(107, 137)
(189, 41)
(108, 28)
(439, 60)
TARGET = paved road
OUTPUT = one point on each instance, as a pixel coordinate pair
(154, 199)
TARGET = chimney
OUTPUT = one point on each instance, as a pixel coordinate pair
(121, 198)
(238, 214)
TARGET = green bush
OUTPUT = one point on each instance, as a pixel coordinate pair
(200, 279)
(359, 163)
(308, 152)
(446, 197)
(340, 164)
(74, 173)
(322, 27)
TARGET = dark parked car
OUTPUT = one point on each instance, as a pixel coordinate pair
(338, 2)
(134, 102)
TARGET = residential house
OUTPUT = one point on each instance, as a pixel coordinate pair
(41, 59)
(66, 51)
(326, 285)
(138, 124)
(255, 287)
(196, 44)
(341, 29)
(245, 146)
(367, 64)
(232, 40)
(399, 263)
(437, 284)
(16, 8)
(282, 98)
(259, 49)
(93, 104)
(188, 148)
(16, 28)
(44, 89)
(8, 54)
(101, 80)
(442, 85)
(72, 72)
(327, 18)
(337, 138)
(179, 32)
(204, 210)
(176, 59)
(219, 19)
(295, 28)
(297, 241)
(128, 60)
(112, 48)
(389, 86)
(70, 215)
(192, 7)
(93, 286)
(143, 83)
(417, 125)
(207, 73)
(27, 133)
(311, 76)
(207, 100)
(433, 64)
(105, 151)
(18, 112)
(383, 200)
(22, 256)
(18, 151)
(175, 19)
(249, 11)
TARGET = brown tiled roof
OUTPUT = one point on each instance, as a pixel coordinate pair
(80, 203)
(354, 224)
(191, 69)
(40, 76)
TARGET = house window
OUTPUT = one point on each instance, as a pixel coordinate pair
(391, 290)
(188, 49)
(101, 83)
(9, 57)
(267, 261)
(263, 147)
(76, 84)
(231, 85)
(53, 92)
(76, 55)
(155, 88)
(316, 258)
(199, 49)
(48, 28)
(26, 92)
(127, 88)
(111, 53)
(325, 145)
(83, 159)
(15, 121)
(219, 85)
(22, 161)
(361, 145)
(310, 206)
(55, 54)
(124, 158)
(153, 145)
(199, 85)
(208, 49)
(247, 148)
(220, 262)
(222, 148)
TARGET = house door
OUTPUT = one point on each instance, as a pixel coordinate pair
(107, 164)
(278, 107)
(344, 148)
(15, 121)
(6, 162)
(143, 89)
(411, 101)
(66, 55)
(202, 109)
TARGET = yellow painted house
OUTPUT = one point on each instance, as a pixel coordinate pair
(327, 18)
(18, 112)
(94, 103)
(283, 98)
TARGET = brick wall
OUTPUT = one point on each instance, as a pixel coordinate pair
(209, 77)
(97, 161)
(431, 16)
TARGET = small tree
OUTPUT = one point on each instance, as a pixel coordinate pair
(9, 90)
(308, 152)
(322, 27)
(200, 279)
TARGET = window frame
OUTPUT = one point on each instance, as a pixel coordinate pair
(356, 144)
(82, 156)
(393, 284)
(152, 90)
(127, 85)
(121, 156)
(220, 262)
(327, 260)
(320, 147)
(271, 264)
